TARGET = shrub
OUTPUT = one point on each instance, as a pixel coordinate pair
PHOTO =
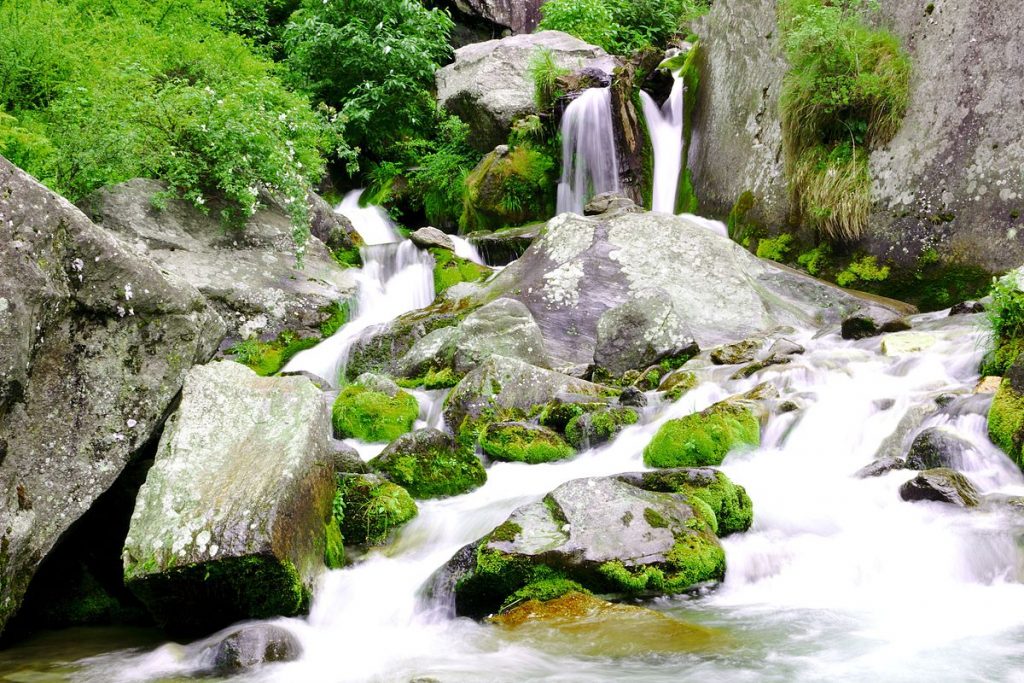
(775, 248)
(589, 20)
(545, 72)
(621, 26)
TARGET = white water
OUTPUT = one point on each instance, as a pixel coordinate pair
(589, 165)
(665, 125)
(465, 249)
(838, 580)
(396, 278)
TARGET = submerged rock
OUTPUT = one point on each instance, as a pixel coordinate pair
(489, 85)
(938, 447)
(253, 645)
(231, 522)
(942, 485)
(734, 354)
(429, 464)
(373, 508)
(900, 343)
(881, 466)
(704, 438)
(873, 321)
(967, 308)
(95, 342)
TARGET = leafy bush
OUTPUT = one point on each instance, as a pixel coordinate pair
(589, 20)
(621, 26)
(846, 91)
(865, 269)
(1006, 313)
(775, 248)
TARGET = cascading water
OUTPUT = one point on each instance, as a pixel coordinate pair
(396, 278)
(666, 128)
(589, 165)
(838, 579)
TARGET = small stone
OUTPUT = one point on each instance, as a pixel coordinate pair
(967, 307)
(937, 447)
(941, 485)
(430, 238)
(902, 343)
(871, 322)
(880, 467)
(785, 347)
(253, 645)
(733, 354)
(631, 396)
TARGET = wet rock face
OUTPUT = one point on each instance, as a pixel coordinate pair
(937, 447)
(872, 321)
(941, 485)
(489, 85)
(95, 341)
(250, 275)
(640, 333)
(231, 521)
(253, 645)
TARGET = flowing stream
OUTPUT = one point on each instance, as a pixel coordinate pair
(666, 129)
(589, 165)
(838, 579)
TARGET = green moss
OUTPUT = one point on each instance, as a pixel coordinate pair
(815, 260)
(677, 384)
(445, 378)
(450, 269)
(337, 316)
(686, 195)
(655, 518)
(740, 230)
(506, 533)
(865, 269)
(998, 361)
(775, 248)
(556, 415)
(592, 429)
(725, 506)
(703, 438)
(434, 473)
(1006, 422)
(695, 558)
(349, 257)
(267, 358)
(542, 590)
(373, 416)
(334, 552)
(512, 189)
(518, 442)
(373, 508)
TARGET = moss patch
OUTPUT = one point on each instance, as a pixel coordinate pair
(334, 553)
(373, 416)
(703, 438)
(434, 472)
(267, 358)
(542, 590)
(450, 269)
(1006, 422)
(595, 428)
(519, 442)
(373, 508)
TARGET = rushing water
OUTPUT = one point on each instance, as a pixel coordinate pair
(589, 165)
(666, 129)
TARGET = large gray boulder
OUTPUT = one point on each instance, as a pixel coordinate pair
(607, 534)
(582, 267)
(95, 341)
(517, 16)
(950, 179)
(251, 275)
(489, 86)
(641, 332)
(231, 522)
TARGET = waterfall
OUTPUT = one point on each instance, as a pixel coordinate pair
(396, 278)
(589, 166)
(666, 130)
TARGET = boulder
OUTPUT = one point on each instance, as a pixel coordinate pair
(429, 464)
(508, 388)
(941, 485)
(631, 396)
(938, 447)
(253, 645)
(373, 416)
(346, 459)
(602, 533)
(232, 521)
(250, 275)
(373, 508)
(523, 442)
(729, 509)
(582, 267)
(504, 327)
(594, 428)
(430, 238)
(733, 354)
(502, 247)
(872, 321)
(95, 342)
(489, 85)
(517, 16)
(704, 438)
(640, 332)
(509, 187)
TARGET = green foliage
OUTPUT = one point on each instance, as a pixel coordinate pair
(27, 148)
(511, 189)
(816, 259)
(373, 509)
(592, 429)
(373, 61)
(703, 439)
(373, 416)
(267, 358)
(1006, 312)
(545, 72)
(775, 248)
(621, 26)
(261, 21)
(542, 590)
(846, 92)
(865, 269)
(518, 442)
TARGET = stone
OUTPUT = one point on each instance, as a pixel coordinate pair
(704, 438)
(642, 331)
(346, 459)
(373, 508)
(880, 467)
(967, 308)
(902, 343)
(633, 397)
(523, 442)
(372, 416)
(253, 645)
(938, 447)
(729, 509)
(95, 342)
(603, 533)
(231, 523)
(250, 276)
(429, 464)
(430, 238)
(489, 85)
(785, 347)
(941, 485)
(517, 16)
(734, 354)
(872, 321)
(610, 204)
(598, 427)
(758, 366)
(504, 190)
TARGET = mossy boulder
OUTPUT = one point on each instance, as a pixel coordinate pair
(231, 522)
(703, 439)
(371, 508)
(729, 508)
(604, 534)
(677, 383)
(557, 414)
(509, 187)
(591, 429)
(429, 464)
(523, 442)
(450, 269)
(1006, 416)
(373, 416)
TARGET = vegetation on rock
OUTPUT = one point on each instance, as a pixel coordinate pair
(373, 416)
(371, 508)
(703, 438)
(521, 442)
(621, 26)
(429, 464)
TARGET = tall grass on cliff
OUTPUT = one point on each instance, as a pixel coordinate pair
(845, 93)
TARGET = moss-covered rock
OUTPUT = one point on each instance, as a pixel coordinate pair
(429, 464)
(677, 383)
(729, 508)
(371, 508)
(373, 416)
(592, 429)
(704, 438)
(1006, 416)
(510, 187)
(523, 442)
(450, 269)
(557, 414)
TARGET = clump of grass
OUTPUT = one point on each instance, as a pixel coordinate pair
(545, 72)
